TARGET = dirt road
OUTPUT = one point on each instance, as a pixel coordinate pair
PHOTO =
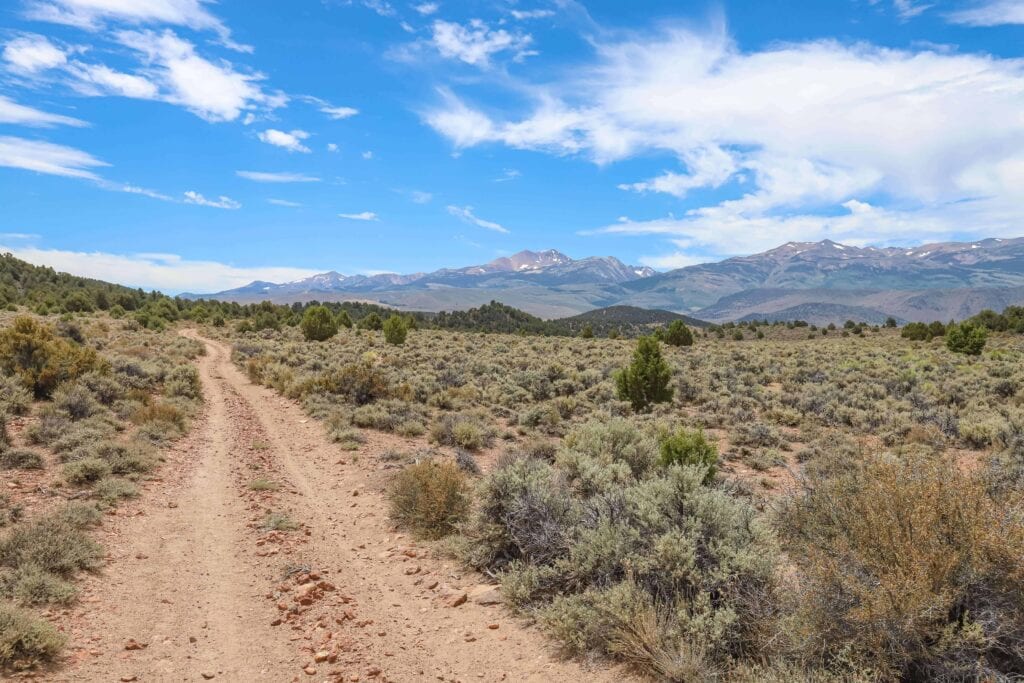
(198, 587)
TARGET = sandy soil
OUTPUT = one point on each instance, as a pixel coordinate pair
(196, 587)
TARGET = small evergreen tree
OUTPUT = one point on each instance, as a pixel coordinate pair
(318, 324)
(587, 332)
(344, 320)
(395, 330)
(678, 334)
(645, 380)
(371, 322)
(966, 338)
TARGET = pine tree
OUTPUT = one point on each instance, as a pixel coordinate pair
(645, 380)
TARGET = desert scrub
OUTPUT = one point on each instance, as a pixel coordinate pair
(908, 566)
(26, 641)
(430, 498)
(470, 430)
(279, 521)
(29, 586)
(32, 352)
(618, 555)
(53, 544)
(20, 459)
(687, 447)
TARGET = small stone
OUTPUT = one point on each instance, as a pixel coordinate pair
(128, 678)
(310, 670)
(133, 644)
(493, 627)
(207, 675)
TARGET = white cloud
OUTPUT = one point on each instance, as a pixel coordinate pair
(12, 112)
(367, 155)
(475, 43)
(222, 202)
(49, 158)
(338, 113)
(791, 133)
(268, 177)
(167, 272)
(990, 13)
(212, 91)
(92, 14)
(99, 79)
(33, 53)
(672, 261)
(531, 14)
(362, 216)
(420, 197)
(465, 213)
(291, 141)
(283, 202)
(427, 8)
(381, 7)
(332, 147)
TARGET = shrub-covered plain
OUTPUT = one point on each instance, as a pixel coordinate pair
(791, 503)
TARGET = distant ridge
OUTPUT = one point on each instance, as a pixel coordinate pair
(820, 281)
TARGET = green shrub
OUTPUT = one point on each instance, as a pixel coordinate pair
(183, 382)
(318, 324)
(30, 351)
(966, 338)
(686, 447)
(20, 459)
(15, 399)
(371, 322)
(658, 569)
(110, 490)
(395, 330)
(53, 544)
(76, 401)
(467, 430)
(26, 641)
(678, 334)
(646, 379)
(360, 383)
(29, 585)
(430, 498)
(86, 471)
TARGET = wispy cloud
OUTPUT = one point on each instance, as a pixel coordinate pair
(20, 114)
(420, 197)
(280, 177)
(427, 8)
(48, 158)
(221, 202)
(283, 202)
(92, 15)
(990, 13)
(531, 14)
(465, 213)
(291, 141)
(361, 216)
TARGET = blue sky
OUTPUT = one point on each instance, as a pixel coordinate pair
(195, 146)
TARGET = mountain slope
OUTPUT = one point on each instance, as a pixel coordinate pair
(549, 268)
(829, 265)
(931, 282)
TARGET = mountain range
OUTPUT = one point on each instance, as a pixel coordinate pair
(815, 281)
